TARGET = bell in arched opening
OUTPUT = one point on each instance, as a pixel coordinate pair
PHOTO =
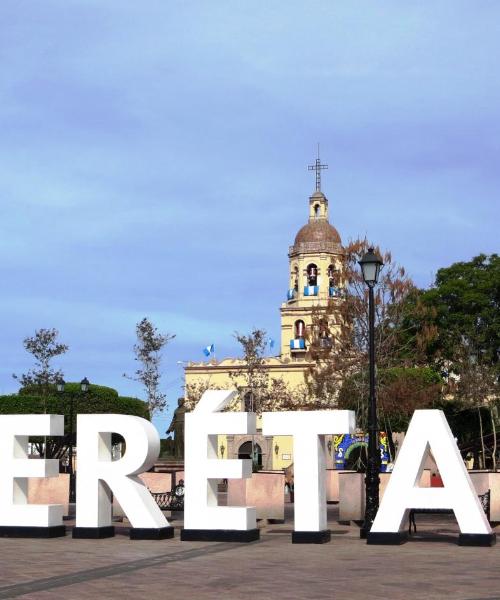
(300, 330)
(333, 281)
(312, 274)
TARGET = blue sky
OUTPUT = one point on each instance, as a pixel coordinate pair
(143, 140)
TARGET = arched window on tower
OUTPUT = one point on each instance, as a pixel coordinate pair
(325, 338)
(300, 330)
(312, 274)
(298, 343)
(332, 276)
(293, 289)
(333, 281)
(317, 209)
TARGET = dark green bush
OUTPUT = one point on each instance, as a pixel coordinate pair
(99, 399)
(100, 391)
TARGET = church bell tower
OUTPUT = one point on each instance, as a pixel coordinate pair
(315, 271)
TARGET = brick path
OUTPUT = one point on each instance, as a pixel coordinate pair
(272, 568)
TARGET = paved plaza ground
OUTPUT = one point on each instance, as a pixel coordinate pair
(430, 566)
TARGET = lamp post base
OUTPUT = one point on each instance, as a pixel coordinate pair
(311, 537)
(220, 535)
(71, 516)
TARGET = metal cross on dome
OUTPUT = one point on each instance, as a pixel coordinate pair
(317, 167)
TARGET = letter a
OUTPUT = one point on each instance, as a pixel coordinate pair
(429, 430)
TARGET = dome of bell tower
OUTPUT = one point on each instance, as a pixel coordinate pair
(317, 235)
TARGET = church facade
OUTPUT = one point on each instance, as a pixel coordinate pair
(315, 282)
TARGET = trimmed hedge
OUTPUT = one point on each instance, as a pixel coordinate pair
(101, 391)
(99, 399)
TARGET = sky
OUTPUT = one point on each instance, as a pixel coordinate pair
(153, 161)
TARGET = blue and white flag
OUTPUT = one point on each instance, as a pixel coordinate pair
(208, 350)
(271, 343)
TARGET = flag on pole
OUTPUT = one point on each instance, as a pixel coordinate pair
(271, 343)
(208, 350)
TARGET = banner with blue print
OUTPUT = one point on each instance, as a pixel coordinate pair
(298, 344)
(345, 445)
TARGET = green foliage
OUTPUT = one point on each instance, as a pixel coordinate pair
(464, 421)
(99, 399)
(466, 305)
(97, 391)
(419, 376)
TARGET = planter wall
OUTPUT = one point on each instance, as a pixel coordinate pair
(332, 484)
(161, 482)
(351, 496)
(264, 490)
(352, 493)
(488, 480)
(49, 490)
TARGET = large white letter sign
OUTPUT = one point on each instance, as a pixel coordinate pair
(203, 519)
(429, 429)
(309, 430)
(98, 476)
(17, 517)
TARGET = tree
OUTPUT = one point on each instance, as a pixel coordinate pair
(44, 347)
(281, 396)
(477, 387)
(463, 309)
(400, 392)
(260, 391)
(464, 303)
(338, 338)
(34, 399)
(148, 353)
(254, 372)
(195, 390)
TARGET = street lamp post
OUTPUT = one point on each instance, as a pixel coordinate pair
(370, 268)
(84, 387)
